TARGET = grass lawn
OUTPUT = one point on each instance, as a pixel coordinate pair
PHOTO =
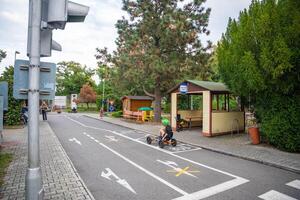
(5, 159)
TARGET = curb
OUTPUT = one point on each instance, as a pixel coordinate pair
(72, 166)
(211, 149)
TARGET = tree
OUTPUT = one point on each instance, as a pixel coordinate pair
(71, 76)
(12, 116)
(259, 56)
(2, 55)
(160, 44)
(87, 95)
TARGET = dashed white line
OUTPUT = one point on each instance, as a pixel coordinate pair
(274, 195)
(197, 195)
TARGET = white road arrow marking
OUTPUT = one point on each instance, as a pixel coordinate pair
(111, 138)
(75, 140)
(122, 182)
(177, 169)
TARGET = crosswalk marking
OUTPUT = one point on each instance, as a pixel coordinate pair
(294, 184)
(274, 195)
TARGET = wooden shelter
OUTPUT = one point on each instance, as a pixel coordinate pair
(214, 118)
(131, 104)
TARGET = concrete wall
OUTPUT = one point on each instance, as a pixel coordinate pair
(224, 121)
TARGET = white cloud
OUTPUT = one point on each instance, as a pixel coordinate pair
(79, 40)
(12, 16)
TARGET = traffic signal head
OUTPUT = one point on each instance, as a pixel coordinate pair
(55, 15)
(62, 11)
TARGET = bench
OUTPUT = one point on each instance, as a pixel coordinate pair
(132, 114)
(191, 116)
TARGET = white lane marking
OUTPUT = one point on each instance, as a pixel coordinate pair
(146, 171)
(187, 150)
(209, 191)
(122, 182)
(162, 150)
(274, 195)
(213, 190)
(111, 138)
(92, 138)
(142, 137)
(177, 169)
(75, 140)
(84, 133)
(294, 184)
(97, 141)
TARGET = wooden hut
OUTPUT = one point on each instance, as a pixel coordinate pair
(131, 104)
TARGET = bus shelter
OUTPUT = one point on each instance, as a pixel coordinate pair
(218, 114)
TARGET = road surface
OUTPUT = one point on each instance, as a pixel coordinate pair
(116, 163)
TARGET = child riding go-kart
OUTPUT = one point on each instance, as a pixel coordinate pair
(166, 136)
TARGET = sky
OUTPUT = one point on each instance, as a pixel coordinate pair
(79, 40)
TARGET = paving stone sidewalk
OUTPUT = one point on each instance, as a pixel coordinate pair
(237, 145)
(60, 178)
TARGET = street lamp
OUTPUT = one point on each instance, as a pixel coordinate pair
(16, 52)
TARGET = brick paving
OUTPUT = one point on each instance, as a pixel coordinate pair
(237, 145)
(60, 178)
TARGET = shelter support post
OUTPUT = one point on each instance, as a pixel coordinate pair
(173, 109)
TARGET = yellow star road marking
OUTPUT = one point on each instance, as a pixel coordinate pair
(182, 171)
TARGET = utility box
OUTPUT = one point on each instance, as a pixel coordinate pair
(47, 80)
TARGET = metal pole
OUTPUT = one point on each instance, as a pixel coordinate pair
(103, 88)
(34, 189)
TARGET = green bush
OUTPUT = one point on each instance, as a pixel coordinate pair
(117, 114)
(281, 123)
(12, 116)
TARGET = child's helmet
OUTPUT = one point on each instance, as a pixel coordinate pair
(165, 122)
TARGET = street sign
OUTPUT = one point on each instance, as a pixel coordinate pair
(183, 89)
(47, 80)
(1, 114)
(4, 93)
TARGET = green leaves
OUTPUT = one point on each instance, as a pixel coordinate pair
(259, 55)
(71, 76)
(2, 55)
(12, 116)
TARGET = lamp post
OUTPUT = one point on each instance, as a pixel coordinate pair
(16, 52)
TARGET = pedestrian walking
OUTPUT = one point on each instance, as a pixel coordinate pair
(101, 113)
(44, 108)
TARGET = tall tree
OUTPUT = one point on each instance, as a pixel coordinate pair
(160, 44)
(259, 56)
(87, 95)
(71, 76)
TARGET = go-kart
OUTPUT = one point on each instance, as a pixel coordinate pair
(162, 141)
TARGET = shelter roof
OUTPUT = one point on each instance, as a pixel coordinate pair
(204, 85)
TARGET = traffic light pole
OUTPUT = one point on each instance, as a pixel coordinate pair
(34, 189)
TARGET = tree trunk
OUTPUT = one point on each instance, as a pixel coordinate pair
(157, 107)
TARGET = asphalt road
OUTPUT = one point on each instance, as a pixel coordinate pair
(116, 163)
